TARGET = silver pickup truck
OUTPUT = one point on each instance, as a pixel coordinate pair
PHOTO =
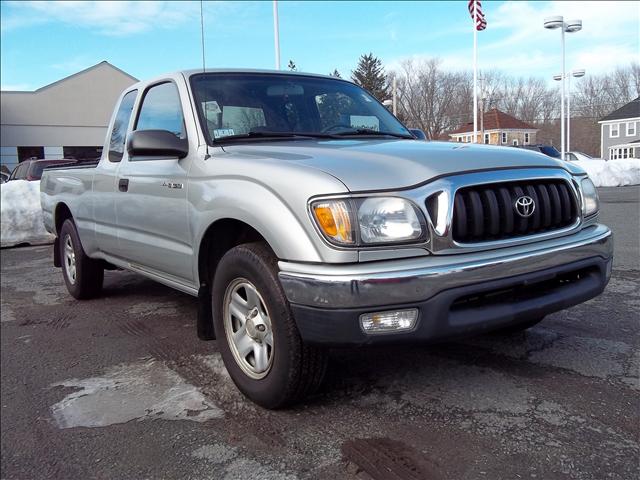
(303, 215)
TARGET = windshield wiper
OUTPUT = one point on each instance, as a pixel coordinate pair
(368, 132)
(259, 134)
(276, 135)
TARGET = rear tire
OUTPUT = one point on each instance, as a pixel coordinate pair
(82, 275)
(257, 334)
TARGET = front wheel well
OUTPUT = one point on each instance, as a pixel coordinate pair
(220, 237)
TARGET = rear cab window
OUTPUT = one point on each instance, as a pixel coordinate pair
(120, 125)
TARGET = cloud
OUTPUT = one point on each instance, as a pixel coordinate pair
(112, 18)
(610, 38)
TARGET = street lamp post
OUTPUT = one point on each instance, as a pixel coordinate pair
(577, 74)
(569, 26)
(276, 33)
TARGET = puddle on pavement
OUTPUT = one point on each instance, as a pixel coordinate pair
(143, 391)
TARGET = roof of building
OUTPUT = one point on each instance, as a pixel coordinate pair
(103, 63)
(494, 119)
(630, 110)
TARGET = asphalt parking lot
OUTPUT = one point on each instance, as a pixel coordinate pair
(120, 387)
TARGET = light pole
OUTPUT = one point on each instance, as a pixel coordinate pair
(569, 26)
(276, 33)
(577, 74)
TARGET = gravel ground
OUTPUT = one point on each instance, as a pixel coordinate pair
(120, 387)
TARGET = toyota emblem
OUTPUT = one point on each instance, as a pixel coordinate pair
(525, 206)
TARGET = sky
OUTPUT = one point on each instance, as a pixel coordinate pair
(42, 42)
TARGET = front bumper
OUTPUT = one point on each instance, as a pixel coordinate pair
(455, 294)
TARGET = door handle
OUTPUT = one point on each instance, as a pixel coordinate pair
(123, 184)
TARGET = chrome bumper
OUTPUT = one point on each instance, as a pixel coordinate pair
(418, 279)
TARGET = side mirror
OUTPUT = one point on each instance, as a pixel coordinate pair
(419, 134)
(156, 143)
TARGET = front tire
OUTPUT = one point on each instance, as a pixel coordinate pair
(257, 335)
(82, 275)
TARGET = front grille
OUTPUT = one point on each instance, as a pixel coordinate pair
(488, 212)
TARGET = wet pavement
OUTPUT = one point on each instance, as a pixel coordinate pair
(120, 387)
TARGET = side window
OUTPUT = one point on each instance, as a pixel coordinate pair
(120, 124)
(161, 110)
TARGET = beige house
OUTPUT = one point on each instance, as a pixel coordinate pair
(498, 128)
(67, 118)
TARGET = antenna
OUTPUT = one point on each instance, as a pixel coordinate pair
(202, 34)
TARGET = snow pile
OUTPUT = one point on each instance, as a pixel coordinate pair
(614, 173)
(21, 214)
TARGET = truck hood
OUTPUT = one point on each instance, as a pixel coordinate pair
(393, 164)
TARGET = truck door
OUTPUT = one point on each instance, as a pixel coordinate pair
(105, 177)
(151, 205)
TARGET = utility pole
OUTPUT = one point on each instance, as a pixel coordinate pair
(276, 33)
(481, 80)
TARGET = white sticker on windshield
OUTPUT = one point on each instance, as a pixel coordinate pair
(368, 122)
(223, 132)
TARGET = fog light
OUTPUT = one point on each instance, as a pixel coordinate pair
(389, 321)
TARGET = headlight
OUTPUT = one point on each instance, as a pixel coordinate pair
(369, 221)
(389, 219)
(590, 202)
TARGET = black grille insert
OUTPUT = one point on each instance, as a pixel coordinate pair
(488, 212)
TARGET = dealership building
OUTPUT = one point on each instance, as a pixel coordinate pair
(66, 119)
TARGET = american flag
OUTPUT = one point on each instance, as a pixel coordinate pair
(481, 23)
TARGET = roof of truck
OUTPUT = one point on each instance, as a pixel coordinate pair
(252, 70)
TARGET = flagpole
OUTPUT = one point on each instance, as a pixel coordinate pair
(276, 33)
(475, 73)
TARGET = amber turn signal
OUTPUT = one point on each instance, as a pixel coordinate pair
(332, 216)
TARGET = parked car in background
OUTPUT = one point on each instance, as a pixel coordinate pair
(548, 150)
(32, 169)
(581, 157)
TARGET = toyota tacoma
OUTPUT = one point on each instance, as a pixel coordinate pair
(303, 215)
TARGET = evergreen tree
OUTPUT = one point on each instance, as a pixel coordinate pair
(369, 74)
(335, 73)
(292, 66)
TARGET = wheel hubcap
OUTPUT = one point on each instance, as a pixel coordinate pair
(248, 328)
(69, 259)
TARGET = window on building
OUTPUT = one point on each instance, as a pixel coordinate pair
(120, 125)
(161, 110)
(459, 139)
(515, 142)
(526, 138)
(504, 137)
(631, 129)
(25, 153)
(614, 130)
(622, 152)
(82, 153)
(486, 138)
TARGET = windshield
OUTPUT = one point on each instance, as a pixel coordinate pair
(550, 151)
(232, 106)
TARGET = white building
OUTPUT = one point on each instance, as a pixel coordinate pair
(620, 132)
(67, 118)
